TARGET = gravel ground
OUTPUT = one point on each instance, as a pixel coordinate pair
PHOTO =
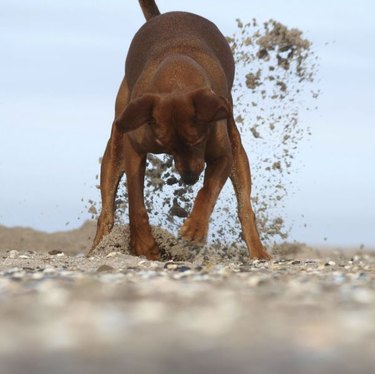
(305, 311)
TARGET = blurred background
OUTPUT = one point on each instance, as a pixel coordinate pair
(62, 63)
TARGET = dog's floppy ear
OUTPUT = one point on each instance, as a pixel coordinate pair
(210, 107)
(137, 113)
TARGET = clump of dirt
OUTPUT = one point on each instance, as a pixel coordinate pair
(173, 248)
(276, 67)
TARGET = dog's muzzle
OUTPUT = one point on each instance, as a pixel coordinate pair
(189, 178)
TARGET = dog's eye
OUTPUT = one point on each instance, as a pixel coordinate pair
(151, 122)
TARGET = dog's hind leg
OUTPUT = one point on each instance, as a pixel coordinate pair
(241, 180)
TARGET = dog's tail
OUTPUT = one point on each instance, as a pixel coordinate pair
(149, 8)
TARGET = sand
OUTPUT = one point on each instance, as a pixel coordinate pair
(201, 309)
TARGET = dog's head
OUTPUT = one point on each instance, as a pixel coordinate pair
(179, 124)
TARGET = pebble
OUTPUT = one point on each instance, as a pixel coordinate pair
(24, 257)
(13, 254)
(171, 266)
(50, 270)
(55, 252)
(38, 276)
(105, 269)
(18, 275)
(254, 281)
(113, 254)
(183, 268)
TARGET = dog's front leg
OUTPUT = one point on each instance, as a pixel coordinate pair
(217, 172)
(241, 180)
(112, 168)
(142, 242)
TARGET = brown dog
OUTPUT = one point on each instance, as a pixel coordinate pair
(176, 99)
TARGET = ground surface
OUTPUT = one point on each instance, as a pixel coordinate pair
(208, 310)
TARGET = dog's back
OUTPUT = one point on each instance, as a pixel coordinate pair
(181, 33)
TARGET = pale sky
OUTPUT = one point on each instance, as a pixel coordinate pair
(62, 63)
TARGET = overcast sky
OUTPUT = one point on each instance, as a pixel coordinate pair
(61, 65)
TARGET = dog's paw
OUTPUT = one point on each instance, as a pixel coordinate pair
(104, 228)
(260, 254)
(146, 248)
(194, 231)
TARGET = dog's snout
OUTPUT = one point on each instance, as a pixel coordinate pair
(189, 178)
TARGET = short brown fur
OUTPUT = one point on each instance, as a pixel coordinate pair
(176, 99)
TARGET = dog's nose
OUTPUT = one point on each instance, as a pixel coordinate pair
(189, 178)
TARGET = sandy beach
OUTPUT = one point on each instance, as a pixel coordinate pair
(201, 309)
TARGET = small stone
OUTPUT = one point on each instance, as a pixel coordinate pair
(37, 276)
(254, 281)
(105, 269)
(55, 252)
(49, 270)
(18, 275)
(177, 211)
(362, 275)
(172, 180)
(24, 257)
(170, 266)
(28, 269)
(13, 253)
(112, 254)
(183, 268)
(330, 263)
